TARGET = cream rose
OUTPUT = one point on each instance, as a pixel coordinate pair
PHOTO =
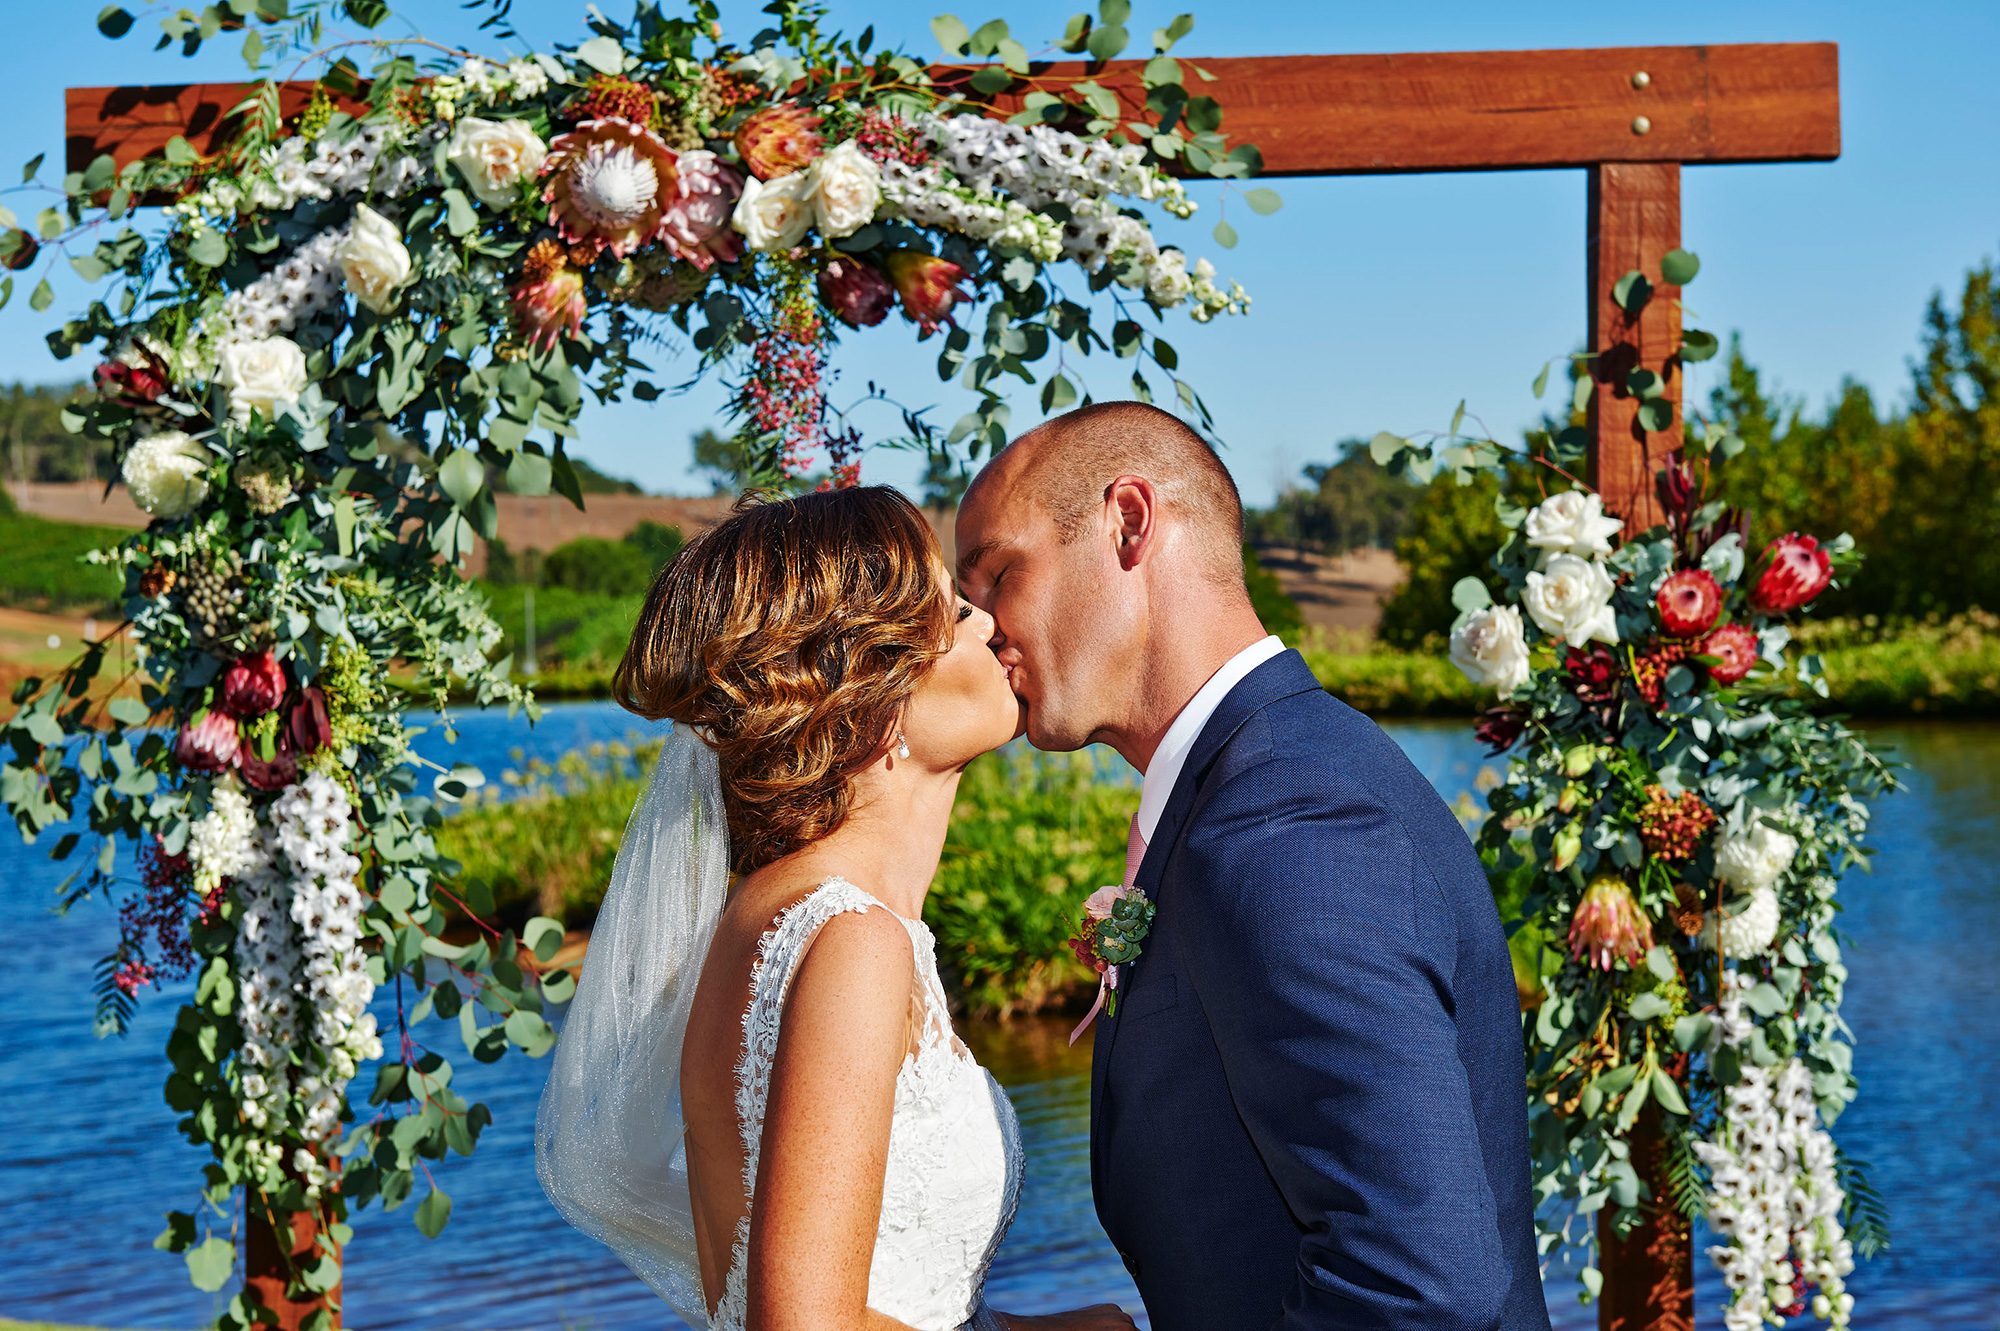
(774, 214)
(1570, 598)
(495, 156)
(373, 259)
(1572, 522)
(1491, 647)
(846, 189)
(264, 374)
(164, 474)
(1755, 858)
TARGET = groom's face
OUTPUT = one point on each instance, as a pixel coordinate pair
(1057, 614)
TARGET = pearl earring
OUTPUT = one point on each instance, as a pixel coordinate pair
(902, 746)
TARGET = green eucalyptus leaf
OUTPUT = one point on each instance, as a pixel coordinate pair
(986, 40)
(1648, 1006)
(209, 1263)
(42, 296)
(1106, 42)
(1264, 200)
(1225, 235)
(1631, 292)
(433, 1212)
(1668, 1094)
(1469, 594)
(951, 34)
(113, 21)
(1541, 383)
(1692, 1031)
(459, 217)
(461, 476)
(1698, 345)
(1656, 415)
(208, 248)
(529, 473)
(606, 56)
(1678, 267)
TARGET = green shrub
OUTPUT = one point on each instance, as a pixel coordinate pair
(571, 627)
(41, 564)
(1031, 836)
(593, 564)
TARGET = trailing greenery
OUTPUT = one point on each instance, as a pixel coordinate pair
(42, 568)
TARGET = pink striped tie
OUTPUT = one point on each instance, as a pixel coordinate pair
(1135, 851)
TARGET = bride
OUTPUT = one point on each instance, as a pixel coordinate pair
(758, 1101)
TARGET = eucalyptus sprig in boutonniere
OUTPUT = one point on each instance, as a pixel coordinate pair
(1115, 921)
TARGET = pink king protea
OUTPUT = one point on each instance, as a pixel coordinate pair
(1736, 646)
(1689, 601)
(610, 182)
(696, 222)
(549, 299)
(1609, 925)
(1796, 569)
(209, 745)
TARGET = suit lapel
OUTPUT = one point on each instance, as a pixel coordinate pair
(1280, 677)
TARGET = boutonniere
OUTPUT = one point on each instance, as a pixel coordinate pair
(1115, 921)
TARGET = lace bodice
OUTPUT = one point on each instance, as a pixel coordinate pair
(954, 1173)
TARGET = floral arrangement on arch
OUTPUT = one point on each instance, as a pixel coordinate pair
(1666, 845)
(360, 318)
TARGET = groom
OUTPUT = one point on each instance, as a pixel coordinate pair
(1309, 1110)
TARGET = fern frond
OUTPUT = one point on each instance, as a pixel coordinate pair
(1864, 1215)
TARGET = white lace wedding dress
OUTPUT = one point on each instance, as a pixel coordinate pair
(954, 1175)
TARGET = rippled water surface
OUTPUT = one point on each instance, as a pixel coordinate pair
(89, 1158)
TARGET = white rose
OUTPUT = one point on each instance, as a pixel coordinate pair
(373, 259)
(1570, 598)
(1491, 648)
(1749, 932)
(774, 214)
(1572, 522)
(1756, 858)
(1168, 283)
(495, 157)
(164, 474)
(846, 189)
(264, 374)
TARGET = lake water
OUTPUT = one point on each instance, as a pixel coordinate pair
(90, 1161)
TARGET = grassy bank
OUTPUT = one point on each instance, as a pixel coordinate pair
(1031, 836)
(41, 564)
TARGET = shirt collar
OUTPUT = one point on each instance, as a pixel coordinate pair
(1165, 769)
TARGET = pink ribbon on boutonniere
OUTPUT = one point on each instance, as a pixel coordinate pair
(1107, 930)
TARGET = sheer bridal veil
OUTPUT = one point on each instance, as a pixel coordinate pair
(608, 1145)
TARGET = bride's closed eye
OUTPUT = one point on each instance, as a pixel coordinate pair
(964, 612)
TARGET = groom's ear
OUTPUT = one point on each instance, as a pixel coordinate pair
(1133, 508)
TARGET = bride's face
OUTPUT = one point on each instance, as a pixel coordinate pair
(964, 706)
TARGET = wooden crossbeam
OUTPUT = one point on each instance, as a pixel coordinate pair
(1315, 115)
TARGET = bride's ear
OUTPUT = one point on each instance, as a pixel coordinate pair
(1133, 505)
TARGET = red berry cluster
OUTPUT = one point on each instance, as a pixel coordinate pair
(888, 137)
(727, 91)
(1649, 673)
(1672, 826)
(786, 391)
(612, 97)
(158, 916)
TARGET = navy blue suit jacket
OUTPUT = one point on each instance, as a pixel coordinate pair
(1309, 1110)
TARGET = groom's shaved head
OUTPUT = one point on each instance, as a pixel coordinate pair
(1065, 467)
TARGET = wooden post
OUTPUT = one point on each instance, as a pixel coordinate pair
(1648, 1277)
(268, 1264)
(1635, 218)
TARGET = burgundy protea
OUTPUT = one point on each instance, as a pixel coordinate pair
(279, 772)
(251, 686)
(308, 725)
(209, 745)
(1796, 569)
(1609, 925)
(1593, 674)
(779, 140)
(549, 299)
(927, 285)
(1735, 648)
(131, 384)
(1689, 601)
(856, 291)
(1499, 727)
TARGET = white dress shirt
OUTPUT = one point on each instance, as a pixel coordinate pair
(1171, 756)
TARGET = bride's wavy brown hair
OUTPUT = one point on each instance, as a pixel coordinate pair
(790, 635)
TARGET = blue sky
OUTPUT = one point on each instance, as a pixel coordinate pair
(1380, 301)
